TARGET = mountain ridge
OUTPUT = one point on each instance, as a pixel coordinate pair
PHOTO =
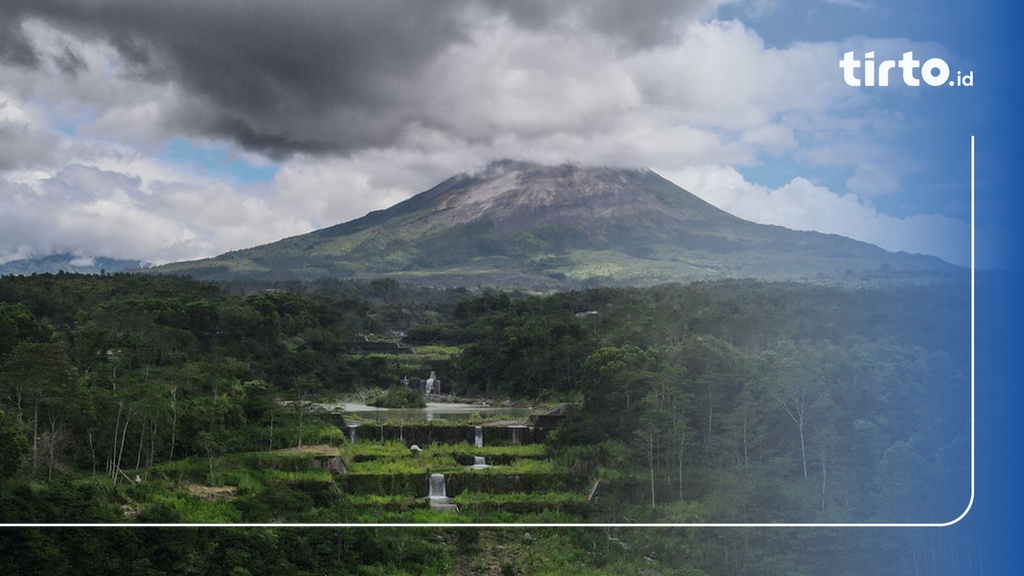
(70, 263)
(520, 224)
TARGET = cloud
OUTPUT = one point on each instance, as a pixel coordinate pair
(339, 78)
(721, 74)
(871, 179)
(25, 141)
(263, 73)
(858, 4)
(359, 105)
(331, 76)
(802, 205)
(15, 48)
(112, 201)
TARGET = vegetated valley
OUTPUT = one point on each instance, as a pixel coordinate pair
(161, 400)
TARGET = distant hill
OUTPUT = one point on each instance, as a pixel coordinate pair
(519, 224)
(55, 263)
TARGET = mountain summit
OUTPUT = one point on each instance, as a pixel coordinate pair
(515, 196)
(520, 224)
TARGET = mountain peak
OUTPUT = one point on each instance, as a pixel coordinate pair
(520, 224)
(566, 173)
(515, 194)
(567, 176)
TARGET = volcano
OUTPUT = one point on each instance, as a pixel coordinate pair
(518, 224)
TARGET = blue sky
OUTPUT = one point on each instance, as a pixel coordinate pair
(195, 129)
(217, 160)
(934, 126)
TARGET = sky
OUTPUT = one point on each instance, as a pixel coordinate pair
(176, 130)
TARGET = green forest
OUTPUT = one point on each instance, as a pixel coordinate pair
(132, 399)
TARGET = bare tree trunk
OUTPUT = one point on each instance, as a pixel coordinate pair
(271, 431)
(746, 458)
(682, 446)
(35, 436)
(796, 405)
(679, 427)
(174, 420)
(120, 452)
(711, 413)
(803, 447)
(142, 438)
(824, 479)
(92, 451)
(301, 405)
(152, 445)
(111, 462)
(650, 462)
(52, 448)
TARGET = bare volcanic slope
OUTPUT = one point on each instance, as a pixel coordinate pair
(519, 224)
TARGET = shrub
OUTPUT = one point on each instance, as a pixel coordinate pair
(399, 397)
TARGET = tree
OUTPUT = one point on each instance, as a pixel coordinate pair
(902, 481)
(13, 445)
(713, 376)
(658, 429)
(797, 399)
(798, 389)
(35, 379)
(616, 377)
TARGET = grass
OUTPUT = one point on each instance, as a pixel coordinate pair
(544, 499)
(422, 464)
(384, 482)
(524, 466)
(280, 476)
(386, 449)
(396, 449)
(396, 458)
(437, 351)
(522, 451)
(386, 500)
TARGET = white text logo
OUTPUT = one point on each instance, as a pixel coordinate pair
(934, 71)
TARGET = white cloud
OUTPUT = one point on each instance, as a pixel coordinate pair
(504, 79)
(859, 4)
(98, 94)
(25, 140)
(113, 201)
(774, 139)
(802, 205)
(722, 75)
(871, 179)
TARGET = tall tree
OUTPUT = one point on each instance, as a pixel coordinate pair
(35, 379)
(13, 445)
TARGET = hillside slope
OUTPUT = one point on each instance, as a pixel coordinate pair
(518, 224)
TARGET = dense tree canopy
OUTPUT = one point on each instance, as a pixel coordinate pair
(733, 401)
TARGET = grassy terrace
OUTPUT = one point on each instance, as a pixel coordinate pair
(353, 483)
(434, 457)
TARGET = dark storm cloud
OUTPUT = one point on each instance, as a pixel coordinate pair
(258, 71)
(636, 24)
(14, 47)
(69, 62)
(312, 76)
